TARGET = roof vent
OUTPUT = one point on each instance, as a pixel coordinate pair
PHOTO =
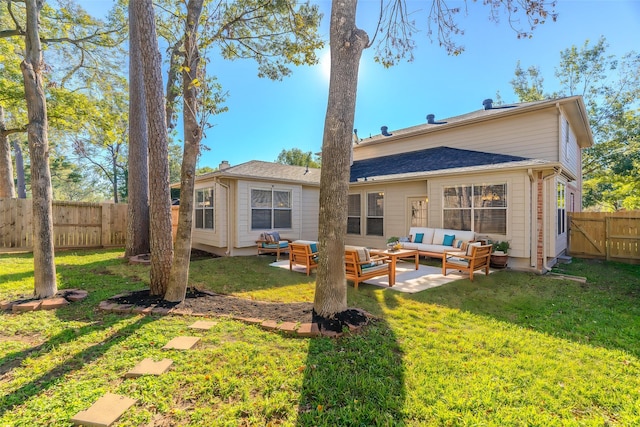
(488, 104)
(224, 165)
(431, 119)
(384, 131)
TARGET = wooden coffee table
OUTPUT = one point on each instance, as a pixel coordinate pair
(394, 256)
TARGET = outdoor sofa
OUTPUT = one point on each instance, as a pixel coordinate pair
(433, 242)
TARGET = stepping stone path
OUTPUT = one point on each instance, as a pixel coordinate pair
(181, 343)
(110, 407)
(60, 299)
(149, 367)
(203, 324)
(105, 411)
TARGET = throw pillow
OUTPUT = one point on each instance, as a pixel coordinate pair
(313, 247)
(268, 237)
(404, 240)
(471, 245)
(448, 240)
(363, 254)
(276, 236)
(419, 237)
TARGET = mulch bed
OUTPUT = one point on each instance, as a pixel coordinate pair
(212, 304)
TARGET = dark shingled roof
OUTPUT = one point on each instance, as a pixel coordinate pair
(431, 159)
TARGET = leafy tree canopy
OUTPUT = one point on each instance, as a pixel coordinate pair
(611, 90)
(296, 157)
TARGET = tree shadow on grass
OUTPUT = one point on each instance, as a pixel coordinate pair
(353, 380)
(47, 379)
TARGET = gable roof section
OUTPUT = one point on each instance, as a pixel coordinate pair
(428, 160)
(267, 171)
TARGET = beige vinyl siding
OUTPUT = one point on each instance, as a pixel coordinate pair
(395, 210)
(217, 236)
(570, 155)
(533, 135)
(309, 217)
(245, 235)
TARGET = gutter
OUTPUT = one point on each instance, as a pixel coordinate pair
(532, 224)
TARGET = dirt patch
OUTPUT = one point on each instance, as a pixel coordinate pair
(212, 304)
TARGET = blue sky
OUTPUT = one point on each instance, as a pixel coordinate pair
(266, 117)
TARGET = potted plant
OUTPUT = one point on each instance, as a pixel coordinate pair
(393, 243)
(499, 257)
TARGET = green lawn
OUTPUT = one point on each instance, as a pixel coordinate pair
(511, 349)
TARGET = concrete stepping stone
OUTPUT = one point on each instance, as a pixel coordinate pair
(104, 412)
(181, 343)
(149, 367)
(203, 324)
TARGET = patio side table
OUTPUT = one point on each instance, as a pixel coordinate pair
(394, 256)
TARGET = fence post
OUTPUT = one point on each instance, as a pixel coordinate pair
(105, 228)
(607, 235)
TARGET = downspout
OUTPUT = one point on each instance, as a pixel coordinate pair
(532, 221)
(226, 187)
(556, 171)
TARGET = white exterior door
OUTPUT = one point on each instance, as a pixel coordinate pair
(417, 210)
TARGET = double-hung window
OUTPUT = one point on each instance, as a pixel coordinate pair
(354, 215)
(204, 208)
(562, 210)
(481, 208)
(270, 209)
(375, 214)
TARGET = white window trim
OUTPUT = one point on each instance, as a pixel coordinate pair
(273, 208)
(211, 208)
(367, 216)
(359, 233)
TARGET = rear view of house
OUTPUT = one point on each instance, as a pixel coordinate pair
(507, 172)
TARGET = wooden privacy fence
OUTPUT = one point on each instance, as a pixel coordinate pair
(612, 236)
(75, 225)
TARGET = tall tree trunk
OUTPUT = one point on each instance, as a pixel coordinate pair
(160, 196)
(192, 136)
(21, 187)
(43, 252)
(114, 170)
(138, 166)
(347, 44)
(7, 189)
